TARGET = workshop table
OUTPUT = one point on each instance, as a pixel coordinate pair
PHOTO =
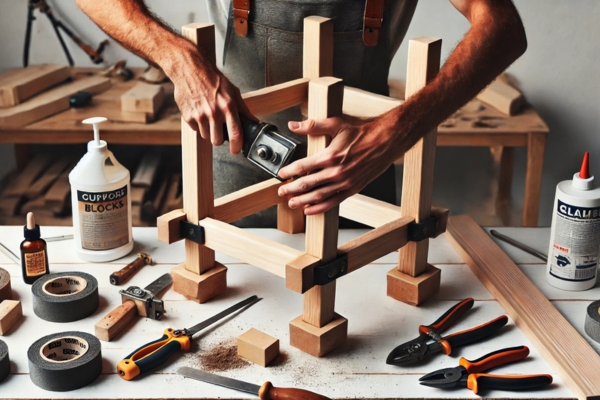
(474, 125)
(376, 324)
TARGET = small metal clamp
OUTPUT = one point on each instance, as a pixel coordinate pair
(154, 307)
(190, 231)
(327, 273)
(426, 229)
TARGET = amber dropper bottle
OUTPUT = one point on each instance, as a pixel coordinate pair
(34, 257)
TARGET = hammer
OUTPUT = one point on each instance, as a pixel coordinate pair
(121, 276)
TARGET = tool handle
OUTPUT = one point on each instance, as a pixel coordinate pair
(472, 335)
(479, 382)
(448, 318)
(519, 245)
(122, 275)
(152, 354)
(494, 359)
(269, 392)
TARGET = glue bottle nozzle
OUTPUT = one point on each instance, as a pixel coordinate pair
(95, 121)
(584, 172)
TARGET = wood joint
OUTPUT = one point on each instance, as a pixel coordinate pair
(324, 274)
(192, 232)
(430, 227)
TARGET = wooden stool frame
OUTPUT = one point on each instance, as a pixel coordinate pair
(319, 329)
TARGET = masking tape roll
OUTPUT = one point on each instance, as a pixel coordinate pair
(5, 290)
(592, 321)
(4, 361)
(65, 296)
(65, 361)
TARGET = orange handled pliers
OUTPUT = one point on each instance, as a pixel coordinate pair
(468, 373)
(419, 348)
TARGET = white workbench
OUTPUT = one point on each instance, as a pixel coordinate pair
(376, 324)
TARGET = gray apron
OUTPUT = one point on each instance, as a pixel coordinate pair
(271, 53)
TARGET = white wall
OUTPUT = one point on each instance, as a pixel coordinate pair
(558, 73)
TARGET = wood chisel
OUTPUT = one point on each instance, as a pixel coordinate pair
(266, 148)
(265, 392)
(121, 276)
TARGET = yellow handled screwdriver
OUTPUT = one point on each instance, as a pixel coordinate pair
(153, 354)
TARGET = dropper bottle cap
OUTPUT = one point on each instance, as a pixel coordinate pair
(95, 121)
(31, 230)
(582, 180)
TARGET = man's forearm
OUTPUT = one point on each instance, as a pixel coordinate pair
(496, 39)
(131, 24)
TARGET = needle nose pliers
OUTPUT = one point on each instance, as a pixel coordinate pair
(419, 348)
(468, 373)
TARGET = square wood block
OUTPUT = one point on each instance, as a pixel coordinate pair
(10, 312)
(258, 347)
(413, 290)
(318, 341)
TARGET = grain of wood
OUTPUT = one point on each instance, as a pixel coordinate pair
(363, 104)
(112, 323)
(20, 84)
(276, 98)
(560, 344)
(10, 313)
(247, 201)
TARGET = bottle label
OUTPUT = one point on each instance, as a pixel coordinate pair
(574, 252)
(103, 219)
(35, 263)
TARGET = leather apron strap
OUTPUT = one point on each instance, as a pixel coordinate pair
(372, 20)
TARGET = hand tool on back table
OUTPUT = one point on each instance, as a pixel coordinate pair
(519, 245)
(266, 148)
(265, 392)
(135, 301)
(153, 354)
(419, 348)
(121, 276)
(468, 373)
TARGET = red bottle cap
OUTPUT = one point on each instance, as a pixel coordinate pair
(584, 172)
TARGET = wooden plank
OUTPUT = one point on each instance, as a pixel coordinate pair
(35, 167)
(369, 211)
(325, 100)
(203, 36)
(143, 98)
(276, 98)
(502, 97)
(247, 201)
(248, 247)
(20, 84)
(300, 273)
(363, 104)
(168, 226)
(376, 243)
(56, 168)
(533, 178)
(560, 344)
(50, 102)
(417, 184)
(317, 50)
(112, 323)
(57, 196)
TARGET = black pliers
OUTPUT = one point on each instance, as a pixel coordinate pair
(418, 348)
(468, 375)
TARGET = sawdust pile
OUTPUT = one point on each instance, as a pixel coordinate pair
(222, 357)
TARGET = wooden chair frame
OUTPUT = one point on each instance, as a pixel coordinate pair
(319, 329)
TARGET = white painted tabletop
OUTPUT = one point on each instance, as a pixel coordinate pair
(356, 370)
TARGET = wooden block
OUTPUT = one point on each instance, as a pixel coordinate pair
(276, 98)
(299, 273)
(20, 84)
(112, 323)
(290, 220)
(369, 211)
(317, 50)
(133, 116)
(248, 200)
(143, 98)
(567, 352)
(318, 341)
(247, 247)
(10, 312)
(200, 288)
(258, 347)
(57, 198)
(137, 195)
(363, 104)
(502, 97)
(203, 36)
(168, 226)
(50, 102)
(146, 171)
(55, 169)
(413, 290)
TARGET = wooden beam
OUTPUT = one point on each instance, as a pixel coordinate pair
(560, 344)
(299, 273)
(248, 247)
(276, 98)
(376, 243)
(369, 211)
(417, 184)
(363, 104)
(317, 51)
(20, 84)
(248, 201)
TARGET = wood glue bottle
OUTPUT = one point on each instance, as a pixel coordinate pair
(34, 256)
(575, 233)
(101, 203)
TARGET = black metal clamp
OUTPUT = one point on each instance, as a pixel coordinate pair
(324, 274)
(190, 231)
(426, 229)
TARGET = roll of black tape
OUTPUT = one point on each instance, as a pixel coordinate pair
(592, 321)
(4, 361)
(65, 296)
(65, 361)
(5, 290)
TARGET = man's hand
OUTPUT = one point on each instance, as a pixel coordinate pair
(360, 151)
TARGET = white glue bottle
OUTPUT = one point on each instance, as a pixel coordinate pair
(101, 203)
(575, 233)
